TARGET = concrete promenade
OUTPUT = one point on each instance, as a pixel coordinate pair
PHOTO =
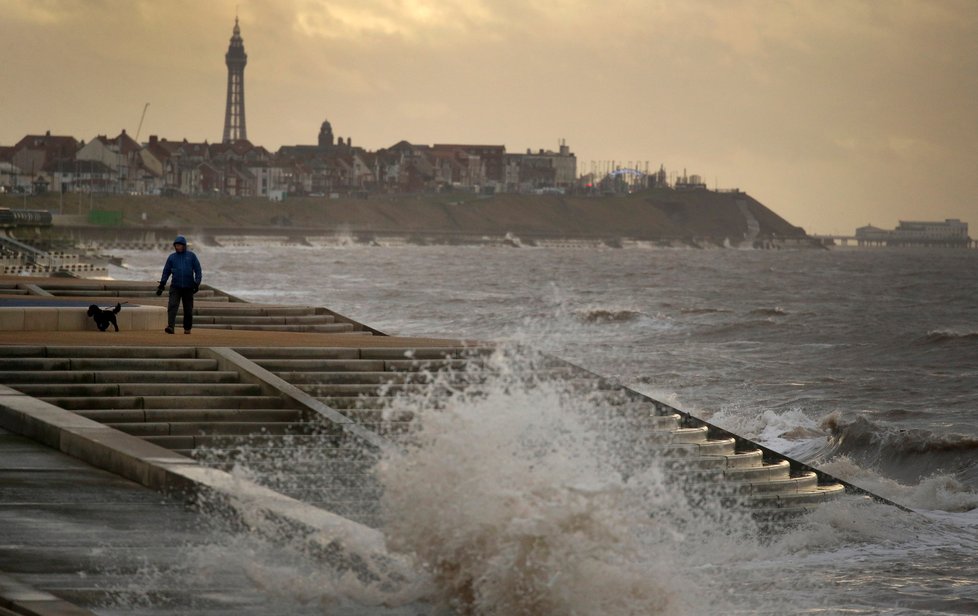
(105, 437)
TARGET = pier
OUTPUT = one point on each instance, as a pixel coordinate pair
(114, 445)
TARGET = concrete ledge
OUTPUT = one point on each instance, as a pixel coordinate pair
(75, 318)
(229, 359)
(347, 545)
(19, 598)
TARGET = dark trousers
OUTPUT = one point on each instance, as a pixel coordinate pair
(178, 295)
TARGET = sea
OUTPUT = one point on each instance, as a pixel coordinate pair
(860, 362)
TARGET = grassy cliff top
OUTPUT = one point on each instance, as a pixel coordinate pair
(651, 214)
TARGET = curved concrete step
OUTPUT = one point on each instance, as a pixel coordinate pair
(800, 499)
(766, 472)
(717, 447)
(803, 482)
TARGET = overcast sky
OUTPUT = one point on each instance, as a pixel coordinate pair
(834, 113)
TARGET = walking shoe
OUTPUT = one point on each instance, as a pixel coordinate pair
(168, 330)
(186, 331)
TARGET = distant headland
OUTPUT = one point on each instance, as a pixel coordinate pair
(666, 217)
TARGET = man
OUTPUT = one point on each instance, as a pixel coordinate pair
(185, 268)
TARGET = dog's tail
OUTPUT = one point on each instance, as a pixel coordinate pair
(117, 308)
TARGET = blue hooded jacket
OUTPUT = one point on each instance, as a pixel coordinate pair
(184, 266)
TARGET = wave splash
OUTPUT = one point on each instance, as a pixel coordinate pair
(514, 496)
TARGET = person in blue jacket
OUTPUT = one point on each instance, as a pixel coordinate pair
(184, 266)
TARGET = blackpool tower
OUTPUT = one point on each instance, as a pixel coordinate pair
(234, 115)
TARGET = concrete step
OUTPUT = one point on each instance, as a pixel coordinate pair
(140, 389)
(250, 310)
(333, 459)
(318, 319)
(788, 500)
(350, 377)
(330, 390)
(803, 482)
(423, 353)
(738, 480)
(298, 353)
(202, 294)
(325, 328)
(164, 402)
(215, 428)
(716, 447)
(766, 472)
(133, 352)
(103, 363)
(246, 442)
(393, 358)
(365, 416)
(118, 376)
(192, 414)
(297, 366)
(432, 365)
(343, 403)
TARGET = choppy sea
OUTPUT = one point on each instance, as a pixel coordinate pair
(863, 363)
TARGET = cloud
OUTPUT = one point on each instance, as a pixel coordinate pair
(770, 96)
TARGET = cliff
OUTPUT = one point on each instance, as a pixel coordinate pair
(659, 214)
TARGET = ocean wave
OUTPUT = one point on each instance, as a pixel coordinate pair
(739, 327)
(908, 456)
(702, 310)
(938, 492)
(941, 336)
(777, 311)
(606, 315)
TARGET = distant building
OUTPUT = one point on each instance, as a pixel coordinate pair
(235, 128)
(951, 233)
(34, 152)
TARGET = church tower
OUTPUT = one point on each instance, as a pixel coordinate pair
(234, 114)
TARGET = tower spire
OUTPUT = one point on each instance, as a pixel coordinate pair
(235, 128)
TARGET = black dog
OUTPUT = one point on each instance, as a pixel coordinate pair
(104, 318)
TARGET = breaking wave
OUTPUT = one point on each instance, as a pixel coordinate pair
(909, 456)
(942, 336)
(777, 311)
(516, 498)
(604, 315)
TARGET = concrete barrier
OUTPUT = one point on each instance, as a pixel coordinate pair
(75, 318)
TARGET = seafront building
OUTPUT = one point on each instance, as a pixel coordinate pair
(952, 232)
(235, 167)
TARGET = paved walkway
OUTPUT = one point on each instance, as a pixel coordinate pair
(91, 537)
(111, 546)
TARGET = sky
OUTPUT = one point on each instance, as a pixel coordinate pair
(833, 113)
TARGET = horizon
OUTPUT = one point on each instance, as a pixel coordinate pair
(835, 114)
